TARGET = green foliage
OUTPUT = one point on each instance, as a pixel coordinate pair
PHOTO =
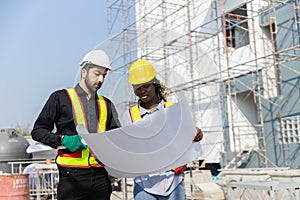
(25, 131)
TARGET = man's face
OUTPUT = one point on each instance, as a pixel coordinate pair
(94, 77)
(146, 92)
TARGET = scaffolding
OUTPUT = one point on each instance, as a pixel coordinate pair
(227, 57)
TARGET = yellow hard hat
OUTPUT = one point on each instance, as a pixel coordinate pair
(140, 72)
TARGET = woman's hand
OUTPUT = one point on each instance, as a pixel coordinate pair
(198, 135)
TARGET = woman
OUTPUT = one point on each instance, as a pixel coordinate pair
(152, 97)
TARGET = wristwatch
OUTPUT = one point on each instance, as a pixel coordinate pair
(61, 138)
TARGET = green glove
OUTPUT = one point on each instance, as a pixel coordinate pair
(73, 142)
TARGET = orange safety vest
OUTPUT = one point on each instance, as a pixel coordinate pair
(136, 115)
(82, 158)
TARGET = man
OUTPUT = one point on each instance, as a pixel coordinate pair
(152, 97)
(81, 175)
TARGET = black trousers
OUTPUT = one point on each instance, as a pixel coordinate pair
(83, 184)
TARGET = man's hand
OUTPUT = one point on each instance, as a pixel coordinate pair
(198, 135)
(73, 143)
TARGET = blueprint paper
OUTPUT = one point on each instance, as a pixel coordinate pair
(157, 143)
(38, 148)
(190, 155)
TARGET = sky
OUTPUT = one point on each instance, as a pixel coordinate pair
(41, 45)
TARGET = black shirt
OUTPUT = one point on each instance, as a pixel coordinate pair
(56, 117)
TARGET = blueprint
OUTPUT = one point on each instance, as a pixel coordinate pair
(159, 142)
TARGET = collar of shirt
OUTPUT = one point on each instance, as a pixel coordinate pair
(80, 91)
(144, 111)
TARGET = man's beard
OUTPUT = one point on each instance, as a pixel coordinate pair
(92, 88)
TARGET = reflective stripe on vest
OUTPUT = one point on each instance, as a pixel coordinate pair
(135, 112)
(136, 115)
(83, 158)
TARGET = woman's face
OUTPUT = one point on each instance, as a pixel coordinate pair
(146, 93)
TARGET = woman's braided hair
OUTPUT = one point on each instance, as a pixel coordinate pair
(162, 91)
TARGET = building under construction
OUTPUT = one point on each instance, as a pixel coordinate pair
(237, 62)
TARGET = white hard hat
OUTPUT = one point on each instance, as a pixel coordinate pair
(96, 57)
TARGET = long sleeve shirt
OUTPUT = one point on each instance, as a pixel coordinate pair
(56, 117)
(164, 183)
